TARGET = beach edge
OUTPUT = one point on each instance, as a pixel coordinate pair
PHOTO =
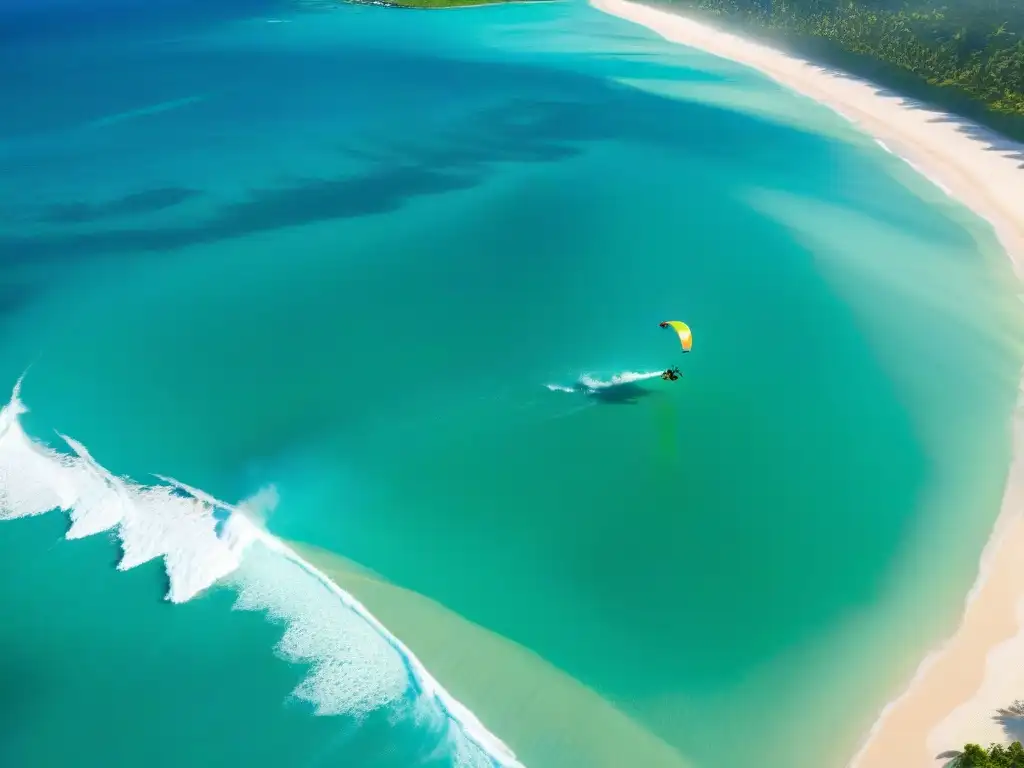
(976, 167)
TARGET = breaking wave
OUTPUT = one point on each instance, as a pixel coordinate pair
(356, 665)
(589, 384)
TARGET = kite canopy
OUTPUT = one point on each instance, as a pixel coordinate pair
(682, 330)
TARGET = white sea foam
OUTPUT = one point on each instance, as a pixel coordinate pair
(589, 383)
(357, 666)
(932, 179)
(884, 146)
(626, 377)
(918, 169)
(259, 506)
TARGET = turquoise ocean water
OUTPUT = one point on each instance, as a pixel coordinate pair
(353, 263)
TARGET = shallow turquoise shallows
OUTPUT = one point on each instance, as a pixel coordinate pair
(363, 262)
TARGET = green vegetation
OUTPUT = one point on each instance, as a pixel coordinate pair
(995, 756)
(966, 56)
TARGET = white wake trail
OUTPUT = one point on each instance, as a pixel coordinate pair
(590, 383)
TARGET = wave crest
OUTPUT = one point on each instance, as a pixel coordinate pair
(356, 665)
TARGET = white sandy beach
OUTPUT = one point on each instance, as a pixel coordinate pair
(955, 696)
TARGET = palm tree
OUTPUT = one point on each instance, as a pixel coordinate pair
(972, 756)
(1017, 708)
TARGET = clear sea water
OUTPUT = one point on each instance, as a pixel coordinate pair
(332, 257)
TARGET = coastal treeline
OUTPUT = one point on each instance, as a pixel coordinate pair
(966, 54)
(996, 756)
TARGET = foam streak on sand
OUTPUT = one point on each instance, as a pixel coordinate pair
(356, 665)
(955, 695)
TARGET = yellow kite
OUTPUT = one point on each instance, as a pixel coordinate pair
(682, 330)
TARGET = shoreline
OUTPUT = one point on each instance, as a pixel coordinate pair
(474, 730)
(36, 479)
(978, 169)
(538, 704)
(955, 692)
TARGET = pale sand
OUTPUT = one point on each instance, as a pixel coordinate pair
(978, 167)
(954, 697)
(957, 691)
(545, 716)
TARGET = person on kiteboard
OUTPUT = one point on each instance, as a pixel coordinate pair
(672, 374)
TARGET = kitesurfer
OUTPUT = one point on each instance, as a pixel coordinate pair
(672, 374)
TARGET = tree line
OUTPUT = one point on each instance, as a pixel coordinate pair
(967, 55)
(996, 756)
